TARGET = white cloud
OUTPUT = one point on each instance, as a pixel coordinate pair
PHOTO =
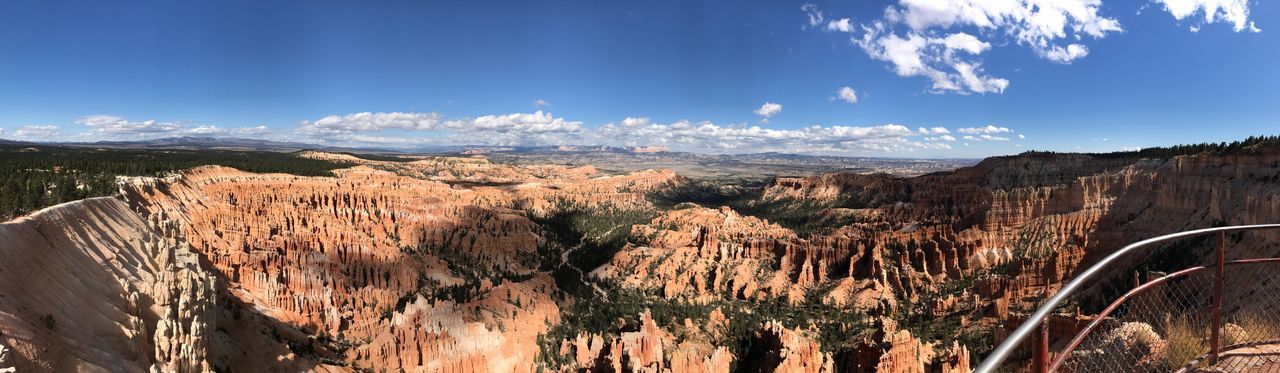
(115, 127)
(536, 122)
(111, 126)
(367, 121)
(1021, 136)
(1066, 54)
(707, 136)
(841, 25)
(540, 103)
(205, 130)
(934, 58)
(847, 94)
(989, 129)
(767, 110)
(965, 42)
(212, 130)
(985, 137)
(537, 128)
(37, 132)
(1235, 12)
(540, 128)
(1035, 23)
(936, 39)
(815, 15)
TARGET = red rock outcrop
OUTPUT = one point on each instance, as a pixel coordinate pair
(435, 264)
(90, 285)
(393, 263)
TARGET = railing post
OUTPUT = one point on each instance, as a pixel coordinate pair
(1041, 357)
(1214, 342)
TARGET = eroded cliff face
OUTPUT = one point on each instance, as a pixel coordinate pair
(958, 255)
(89, 285)
(454, 264)
(390, 265)
(1013, 229)
(92, 286)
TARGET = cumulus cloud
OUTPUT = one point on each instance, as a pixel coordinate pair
(540, 103)
(537, 128)
(114, 126)
(205, 130)
(536, 122)
(943, 60)
(707, 136)
(37, 132)
(367, 121)
(1235, 12)
(541, 128)
(212, 130)
(847, 94)
(985, 137)
(933, 39)
(988, 129)
(841, 25)
(964, 42)
(768, 110)
(1066, 54)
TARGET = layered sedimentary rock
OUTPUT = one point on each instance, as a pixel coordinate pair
(975, 246)
(700, 253)
(445, 264)
(389, 265)
(89, 285)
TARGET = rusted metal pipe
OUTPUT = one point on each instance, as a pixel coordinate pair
(1042, 348)
(1215, 346)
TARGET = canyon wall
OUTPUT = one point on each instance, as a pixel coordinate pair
(452, 264)
(89, 285)
(389, 265)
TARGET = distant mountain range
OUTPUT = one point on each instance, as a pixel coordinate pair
(242, 144)
(609, 157)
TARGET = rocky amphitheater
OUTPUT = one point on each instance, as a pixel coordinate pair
(454, 265)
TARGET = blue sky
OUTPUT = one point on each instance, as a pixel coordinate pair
(680, 74)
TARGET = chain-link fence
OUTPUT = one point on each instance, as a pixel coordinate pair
(1211, 318)
(1167, 324)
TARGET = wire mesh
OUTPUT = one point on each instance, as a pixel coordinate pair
(1169, 326)
(1250, 333)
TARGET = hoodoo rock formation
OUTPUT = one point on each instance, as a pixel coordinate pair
(459, 264)
(89, 285)
(392, 271)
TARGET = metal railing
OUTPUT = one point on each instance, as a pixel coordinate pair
(1180, 291)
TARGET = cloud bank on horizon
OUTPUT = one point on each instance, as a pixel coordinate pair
(943, 43)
